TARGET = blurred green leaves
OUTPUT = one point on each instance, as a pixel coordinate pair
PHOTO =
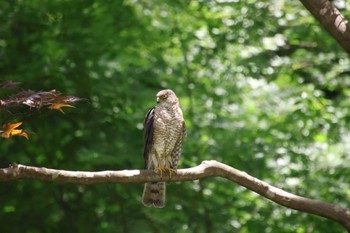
(263, 88)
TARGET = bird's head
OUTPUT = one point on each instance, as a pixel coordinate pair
(167, 97)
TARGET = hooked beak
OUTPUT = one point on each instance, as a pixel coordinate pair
(158, 100)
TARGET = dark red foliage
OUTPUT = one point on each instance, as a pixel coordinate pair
(8, 84)
(34, 99)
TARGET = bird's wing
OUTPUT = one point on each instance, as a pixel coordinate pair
(148, 134)
(184, 131)
(178, 148)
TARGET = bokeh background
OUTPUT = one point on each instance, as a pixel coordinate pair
(263, 88)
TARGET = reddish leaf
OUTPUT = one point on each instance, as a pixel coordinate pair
(8, 84)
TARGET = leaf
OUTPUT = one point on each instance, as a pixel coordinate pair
(38, 99)
(70, 99)
(9, 130)
(8, 84)
(58, 106)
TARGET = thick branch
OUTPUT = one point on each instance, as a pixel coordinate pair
(331, 19)
(205, 169)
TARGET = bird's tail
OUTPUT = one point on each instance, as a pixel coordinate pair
(154, 194)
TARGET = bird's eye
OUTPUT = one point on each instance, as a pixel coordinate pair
(164, 96)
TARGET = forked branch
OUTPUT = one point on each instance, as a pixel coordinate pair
(205, 169)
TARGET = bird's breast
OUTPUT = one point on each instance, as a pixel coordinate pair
(167, 129)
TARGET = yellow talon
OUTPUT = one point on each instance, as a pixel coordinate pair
(170, 170)
(165, 169)
(160, 170)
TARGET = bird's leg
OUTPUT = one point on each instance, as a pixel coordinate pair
(158, 168)
(170, 168)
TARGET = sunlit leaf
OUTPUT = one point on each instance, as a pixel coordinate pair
(58, 106)
(9, 130)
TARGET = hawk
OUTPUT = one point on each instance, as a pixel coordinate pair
(164, 129)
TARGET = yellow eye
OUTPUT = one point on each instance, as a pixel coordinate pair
(164, 96)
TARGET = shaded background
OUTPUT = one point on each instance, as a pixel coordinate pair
(263, 88)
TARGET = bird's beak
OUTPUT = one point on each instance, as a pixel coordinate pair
(158, 100)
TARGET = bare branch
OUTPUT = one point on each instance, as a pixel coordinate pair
(205, 169)
(331, 19)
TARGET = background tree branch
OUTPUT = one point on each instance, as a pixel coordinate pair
(331, 19)
(205, 169)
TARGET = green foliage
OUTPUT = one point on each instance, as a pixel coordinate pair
(263, 87)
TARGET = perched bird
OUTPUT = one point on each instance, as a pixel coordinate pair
(164, 130)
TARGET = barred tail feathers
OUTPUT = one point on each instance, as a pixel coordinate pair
(154, 194)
